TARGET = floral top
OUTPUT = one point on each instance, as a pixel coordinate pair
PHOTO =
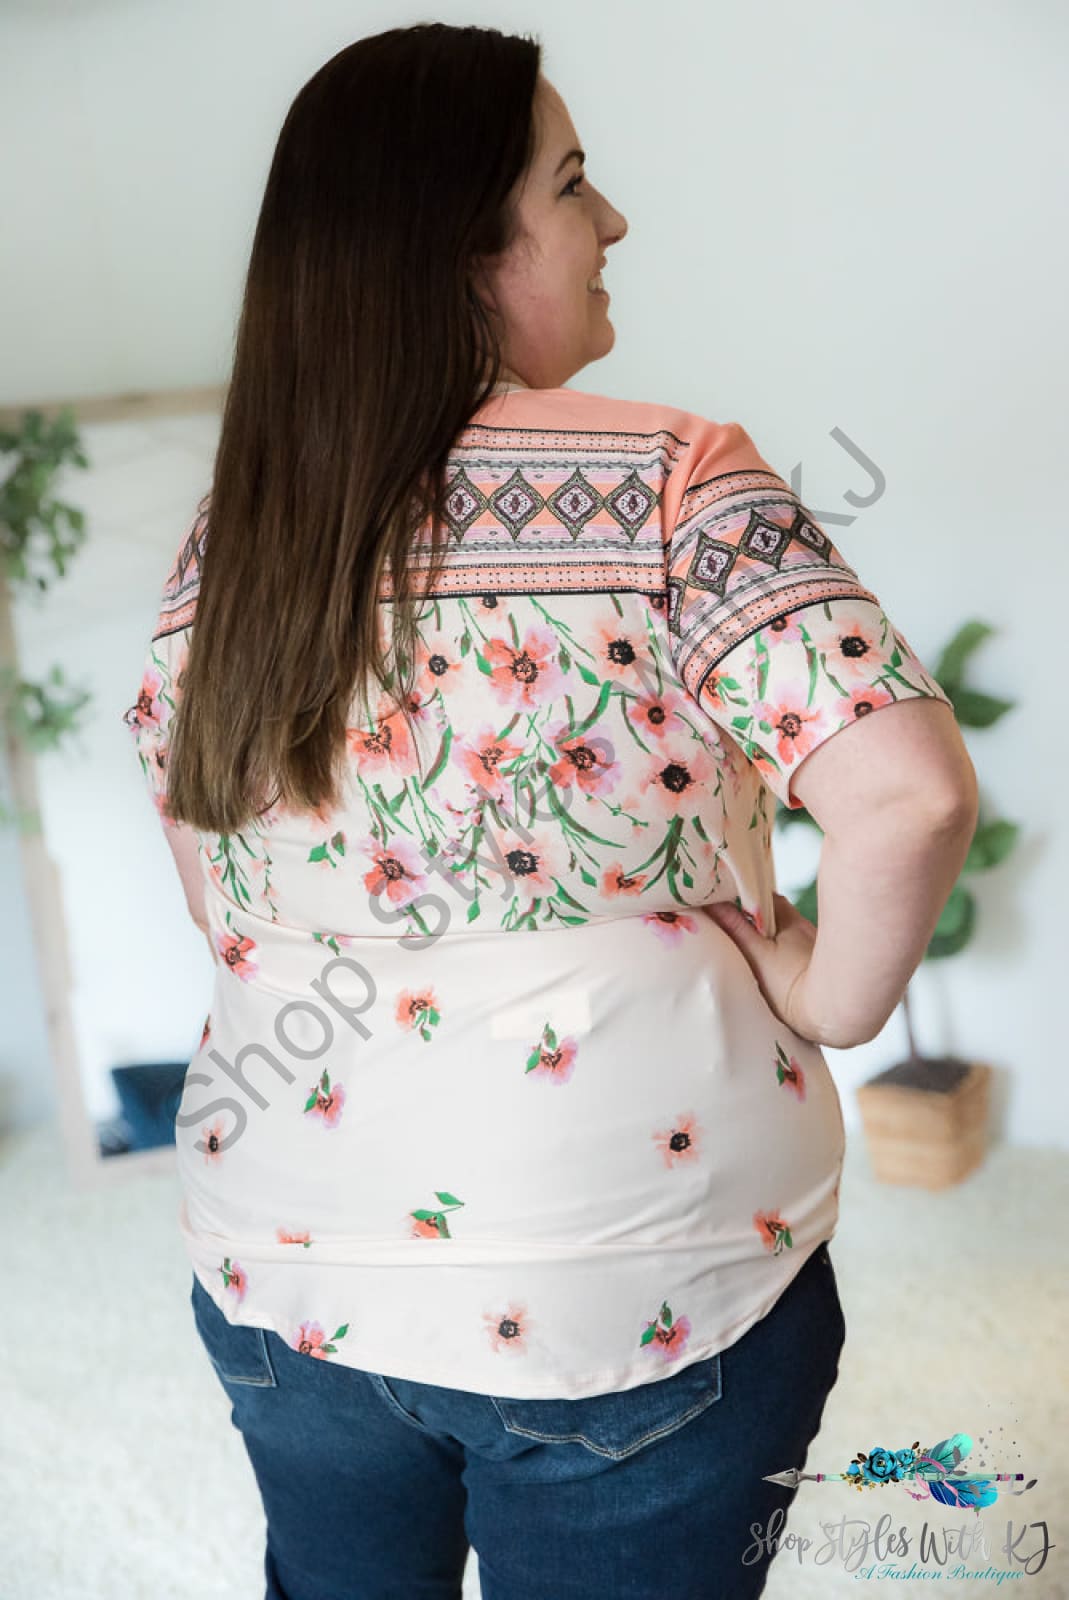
(484, 1098)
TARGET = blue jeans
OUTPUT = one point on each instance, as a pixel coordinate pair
(374, 1488)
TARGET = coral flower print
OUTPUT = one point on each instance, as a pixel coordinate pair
(427, 1224)
(440, 663)
(326, 1102)
(418, 1009)
(680, 1143)
(863, 700)
(551, 1058)
(234, 1279)
(207, 1033)
(294, 1238)
(386, 749)
(586, 760)
(396, 871)
(666, 1334)
(798, 728)
(789, 1071)
(236, 953)
(785, 629)
(676, 778)
(527, 674)
(311, 1340)
(148, 709)
(619, 651)
(615, 881)
(669, 926)
(775, 1233)
(857, 644)
(532, 863)
(653, 716)
(481, 756)
(507, 1330)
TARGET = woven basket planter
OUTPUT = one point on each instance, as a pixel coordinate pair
(926, 1121)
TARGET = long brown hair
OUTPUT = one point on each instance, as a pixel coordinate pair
(361, 352)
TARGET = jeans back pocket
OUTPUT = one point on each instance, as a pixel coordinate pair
(239, 1354)
(621, 1422)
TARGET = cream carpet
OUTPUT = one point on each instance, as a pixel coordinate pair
(121, 1477)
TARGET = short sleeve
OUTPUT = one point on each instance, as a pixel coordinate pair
(151, 714)
(772, 631)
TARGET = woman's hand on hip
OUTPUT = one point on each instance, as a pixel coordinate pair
(778, 964)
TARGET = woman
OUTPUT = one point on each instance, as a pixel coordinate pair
(509, 1153)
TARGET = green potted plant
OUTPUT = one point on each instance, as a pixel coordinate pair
(38, 536)
(925, 1117)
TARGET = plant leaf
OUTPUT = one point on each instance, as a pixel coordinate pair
(954, 928)
(976, 710)
(950, 667)
(991, 844)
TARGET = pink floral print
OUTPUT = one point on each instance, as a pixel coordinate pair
(552, 1058)
(234, 1279)
(680, 1144)
(509, 1329)
(326, 1101)
(418, 1011)
(789, 1071)
(667, 1336)
(311, 1340)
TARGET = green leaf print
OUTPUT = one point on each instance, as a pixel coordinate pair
(762, 666)
(551, 1037)
(571, 826)
(586, 674)
(441, 758)
(562, 894)
(603, 700)
(233, 876)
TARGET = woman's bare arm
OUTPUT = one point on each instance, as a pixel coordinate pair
(896, 797)
(183, 842)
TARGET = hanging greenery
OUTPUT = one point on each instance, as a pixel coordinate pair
(39, 535)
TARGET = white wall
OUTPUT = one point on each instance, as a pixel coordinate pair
(841, 217)
(141, 971)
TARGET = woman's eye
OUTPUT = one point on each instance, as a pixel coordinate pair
(569, 188)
